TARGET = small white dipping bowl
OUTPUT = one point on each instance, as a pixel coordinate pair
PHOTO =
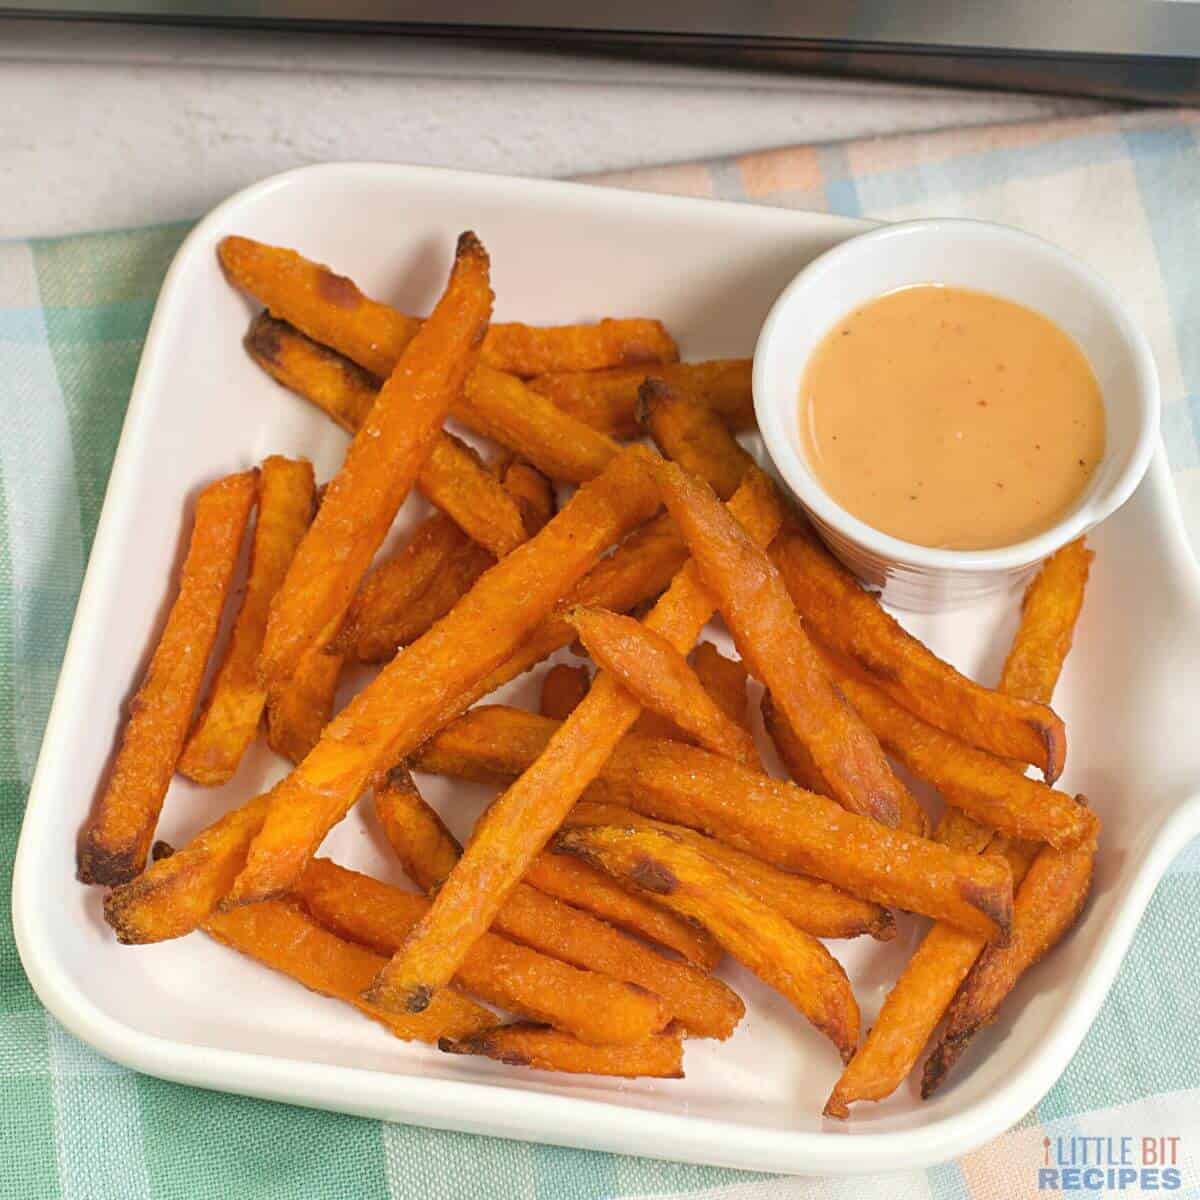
(987, 258)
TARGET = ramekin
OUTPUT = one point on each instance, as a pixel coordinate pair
(991, 258)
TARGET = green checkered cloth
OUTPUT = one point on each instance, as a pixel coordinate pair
(73, 314)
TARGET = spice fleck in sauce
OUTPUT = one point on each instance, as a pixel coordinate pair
(951, 418)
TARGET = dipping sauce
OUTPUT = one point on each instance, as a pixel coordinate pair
(951, 418)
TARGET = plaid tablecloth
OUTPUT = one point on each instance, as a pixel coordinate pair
(1122, 191)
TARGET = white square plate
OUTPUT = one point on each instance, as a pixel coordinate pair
(193, 1012)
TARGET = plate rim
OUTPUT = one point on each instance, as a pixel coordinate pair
(532, 1115)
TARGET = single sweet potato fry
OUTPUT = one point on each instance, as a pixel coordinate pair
(404, 595)
(770, 638)
(724, 679)
(280, 935)
(1049, 612)
(521, 821)
(563, 687)
(612, 342)
(331, 309)
(841, 614)
(455, 479)
(428, 851)
(595, 1008)
(116, 839)
(298, 713)
(607, 400)
(790, 960)
(638, 570)
(706, 1006)
(794, 754)
(452, 477)
(772, 820)
(660, 679)
(1048, 903)
(505, 409)
(380, 468)
(810, 904)
(983, 786)
(175, 895)
(545, 1049)
(928, 984)
(430, 683)
(692, 436)
(338, 387)
(230, 715)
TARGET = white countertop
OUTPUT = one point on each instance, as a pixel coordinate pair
(105, 126)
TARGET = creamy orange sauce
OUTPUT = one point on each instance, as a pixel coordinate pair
(951, 418)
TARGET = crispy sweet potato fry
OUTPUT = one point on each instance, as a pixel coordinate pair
(771, 639)
(428, 852)
(545, 1049)
(380, 468)
(638, 570)
(595, 1008)
(772, 820)
(403, 596)
(607, 400)
(521, 821)
(455, 479)
(844, 616)
(693, 436)
(797, 761)
(982, 786)
(563, 687)
(703, 1004)
(338, 387)
(452, 477)
(116, 839)
(297, 714)
(1049, 612)
(331, 309)
(791, 961)
(659, 678)
(230, 716)
(612, 342)
(577, 884)
(429, 684)
(810, 904)
(280, 935)
(505, 409)
(928, 984)
(724, 679)
(1048, 903)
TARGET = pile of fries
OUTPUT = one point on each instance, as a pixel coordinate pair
(637, 835)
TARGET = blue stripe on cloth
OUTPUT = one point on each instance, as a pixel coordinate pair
(1166, 167)
(947, 1182)
(966, 173)
(560, 1173)
(841, 188)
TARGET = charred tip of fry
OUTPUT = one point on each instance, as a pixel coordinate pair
(161, 850)
(469, 246)
(107, 867)
(653, 876)
(480, 1043)
(998, 908)
(263, 339)
(652, 390)
(884, 927)
(1054, 738)
(410, 1000)
(945, 1054)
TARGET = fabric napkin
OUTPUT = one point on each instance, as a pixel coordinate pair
(1119, 190)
